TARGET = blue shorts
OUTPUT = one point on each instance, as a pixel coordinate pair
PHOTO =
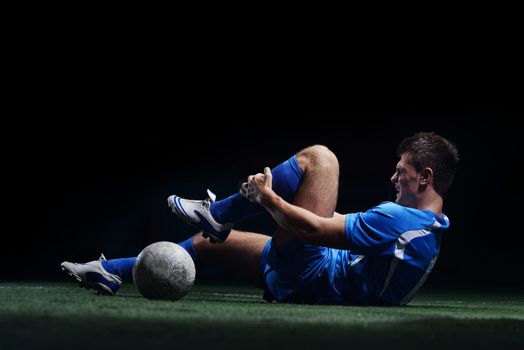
(295, 272)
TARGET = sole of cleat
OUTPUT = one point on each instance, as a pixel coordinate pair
(99, 288)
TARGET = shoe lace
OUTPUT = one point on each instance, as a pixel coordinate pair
(207, 203)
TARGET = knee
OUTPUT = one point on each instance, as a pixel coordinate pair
(318, 156)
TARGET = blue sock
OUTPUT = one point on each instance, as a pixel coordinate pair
(121, 267)
(188, 246)
(124, 267)
(286, 179)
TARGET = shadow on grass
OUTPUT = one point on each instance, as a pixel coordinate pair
(31, 332)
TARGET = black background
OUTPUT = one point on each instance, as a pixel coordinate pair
(84, 185)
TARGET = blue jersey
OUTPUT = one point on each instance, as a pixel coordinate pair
(392, 249)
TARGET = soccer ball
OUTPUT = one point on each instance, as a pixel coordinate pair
(164, 270)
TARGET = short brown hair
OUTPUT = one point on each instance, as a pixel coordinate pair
(428, 149)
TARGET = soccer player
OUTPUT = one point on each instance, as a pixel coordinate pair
(378, 257)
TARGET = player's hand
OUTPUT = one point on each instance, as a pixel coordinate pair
(257, 186)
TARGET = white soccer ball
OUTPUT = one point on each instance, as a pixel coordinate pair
(164, 270)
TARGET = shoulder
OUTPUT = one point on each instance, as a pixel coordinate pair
(391, 210)
(401, 217)
(395, 210)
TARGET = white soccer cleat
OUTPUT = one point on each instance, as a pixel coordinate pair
(197, 212)
(93, 275)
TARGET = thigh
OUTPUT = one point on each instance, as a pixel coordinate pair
(240, 254)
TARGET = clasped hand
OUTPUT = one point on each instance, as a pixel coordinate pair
(257, 186)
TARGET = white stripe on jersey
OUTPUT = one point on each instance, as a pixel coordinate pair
(410, 295)
(357, 260)
(405, 238)
(392, 268)
(402, 241)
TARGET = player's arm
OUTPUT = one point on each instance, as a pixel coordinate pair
(298, 221)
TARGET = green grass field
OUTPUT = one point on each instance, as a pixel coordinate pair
(61, 315)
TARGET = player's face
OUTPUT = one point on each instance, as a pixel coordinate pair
(406, 181)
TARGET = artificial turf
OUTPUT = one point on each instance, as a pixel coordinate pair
(41, 315)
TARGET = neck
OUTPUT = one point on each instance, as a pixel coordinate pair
(431, 201)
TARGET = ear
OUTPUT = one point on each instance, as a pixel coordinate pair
(426, 176)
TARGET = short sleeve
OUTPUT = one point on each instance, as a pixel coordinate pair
(372, 232)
